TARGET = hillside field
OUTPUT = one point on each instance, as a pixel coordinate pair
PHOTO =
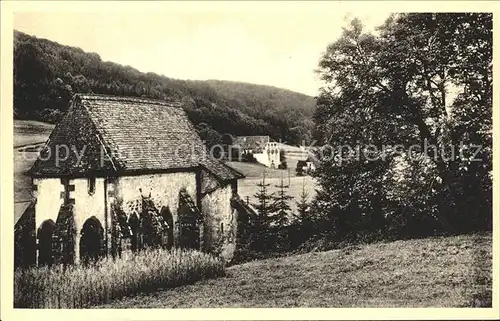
(247, 187)
(255, 170)
(26, 132)
(435, 272)
(30, 132)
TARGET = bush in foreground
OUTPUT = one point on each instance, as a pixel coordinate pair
(82, 286)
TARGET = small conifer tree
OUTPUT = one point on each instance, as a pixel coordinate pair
(301, 227)
(281, 206)
(264, 208)
(280, 218)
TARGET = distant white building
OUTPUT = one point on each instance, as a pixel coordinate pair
(308, 165)
(262, 149)
(312, 163)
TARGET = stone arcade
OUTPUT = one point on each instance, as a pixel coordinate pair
(119, 174)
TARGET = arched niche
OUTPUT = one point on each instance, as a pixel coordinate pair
(91, 241)
(44, 235)
(166, 214)
(135, 225)
(190, 222)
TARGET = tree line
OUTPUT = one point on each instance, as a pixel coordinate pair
(422, 82)
(274, 227)
(47, 74)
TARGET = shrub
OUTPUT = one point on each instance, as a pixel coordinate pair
(283, 165)
(80, 286)
(248, 158)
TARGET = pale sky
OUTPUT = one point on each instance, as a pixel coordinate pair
(279, 47)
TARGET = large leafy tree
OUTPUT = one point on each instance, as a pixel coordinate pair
(422, 81)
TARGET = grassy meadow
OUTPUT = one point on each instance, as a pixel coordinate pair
(247, 187)
(82, 286)
(26, 132)
(30, 132)
(255, 170)
(434, 272)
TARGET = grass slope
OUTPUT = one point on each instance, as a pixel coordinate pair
(30, 132)
(434, 272)
(26, 132)
(247, 187)
(255, 170)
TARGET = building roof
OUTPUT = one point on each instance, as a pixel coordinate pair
(255, 143)
(109, 134)
(313, 159)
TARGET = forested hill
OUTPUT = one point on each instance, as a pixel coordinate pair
(46, 74)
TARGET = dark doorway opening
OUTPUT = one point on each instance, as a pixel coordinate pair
(166, 214)
(91, 241)
(45, 232)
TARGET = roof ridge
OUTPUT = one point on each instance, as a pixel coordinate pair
(237, 172)
(143, 137)
(103, 97)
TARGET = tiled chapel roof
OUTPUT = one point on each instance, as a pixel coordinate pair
(124, 134)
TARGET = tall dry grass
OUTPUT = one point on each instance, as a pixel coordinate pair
(81, 286)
